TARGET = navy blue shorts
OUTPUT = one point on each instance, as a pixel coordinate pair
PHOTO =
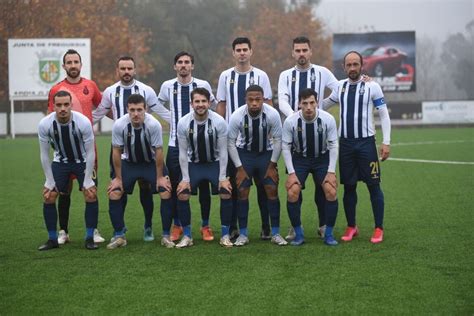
(173, 169)
(199, 172)
(304, 166)
(62, 172)
(131, 172)
(358, 160)
(255, 165)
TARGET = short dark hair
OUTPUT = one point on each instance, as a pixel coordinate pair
(353, 52)
(136, 99)
(71, 52)
(241, 40)
(126, 58)
(181, 54)
(62, 93)
(254, 88)
(301, 40)
(307, 93)
(201, 91)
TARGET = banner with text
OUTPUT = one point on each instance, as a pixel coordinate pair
(448, 112)
(35, 65)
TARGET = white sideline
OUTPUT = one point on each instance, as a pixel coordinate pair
(434, 161)
(432, 142)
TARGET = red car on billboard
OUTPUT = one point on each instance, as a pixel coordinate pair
(383, 61)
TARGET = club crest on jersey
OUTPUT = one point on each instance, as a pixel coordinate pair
(313, 77)
(210, 131)
(232, 81)
(361, 90)
(190, 131)
(264, 123)
(251, 81)
(85, 90)
(175, 91)
(293, 79)
(320, 129)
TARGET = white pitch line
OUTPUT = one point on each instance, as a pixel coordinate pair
(434, 161)
(433, 142)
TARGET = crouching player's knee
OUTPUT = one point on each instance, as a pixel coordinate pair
(294, 192)
(184, 196)
(164, 193)
(90, 194)
(225, 194)
(49, 197)
(330, 189)
(271, 191)
(115, 194)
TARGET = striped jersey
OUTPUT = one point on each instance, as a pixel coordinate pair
(309, 138)
(293, 80)
(255, 134)
(178, 97)
(67, 139)
(115, 98)
(201, 137)
(357, 101)
(232, 86)
(85, 94)
(138, 144)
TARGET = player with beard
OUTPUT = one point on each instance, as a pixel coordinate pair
(358, 159)
(85, 96)
(302, 76)
(115, 100)
(176, 93)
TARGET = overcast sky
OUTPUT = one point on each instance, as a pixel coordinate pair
(434, 18)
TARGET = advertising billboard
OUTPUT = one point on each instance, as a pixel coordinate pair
(35, 65)
(389, 57)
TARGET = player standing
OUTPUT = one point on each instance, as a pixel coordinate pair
(85, 97)
(233, 83)
(137, 154)
(115, 99)
(310, 147)
(358, 159)
(177, 93)
(72, 138)
(202, 140)
(254, 143)
(304, 75)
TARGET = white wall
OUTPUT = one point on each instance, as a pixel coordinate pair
(3, 124)
(27, 122)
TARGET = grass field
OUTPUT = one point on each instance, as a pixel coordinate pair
(424, 266)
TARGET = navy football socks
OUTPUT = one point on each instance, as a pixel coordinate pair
(50, 216)
(165, 212)
(350, 202)
(377, 200)
(146, 199)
